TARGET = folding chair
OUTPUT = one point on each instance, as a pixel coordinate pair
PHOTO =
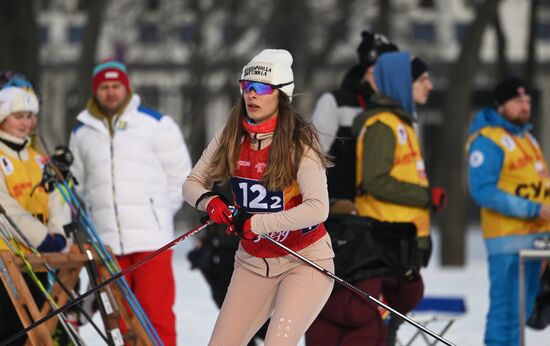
(431, 310)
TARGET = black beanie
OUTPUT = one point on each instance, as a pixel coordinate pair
(418, 67)
(372, 46)
(509, 88)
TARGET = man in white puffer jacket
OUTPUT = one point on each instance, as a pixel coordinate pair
(130, 162)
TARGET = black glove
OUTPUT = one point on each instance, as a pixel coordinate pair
(241, 225)
(52, 243)
(62, 158)
(48, 178)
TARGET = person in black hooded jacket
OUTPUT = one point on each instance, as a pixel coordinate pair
(333, 117)
(334, 113)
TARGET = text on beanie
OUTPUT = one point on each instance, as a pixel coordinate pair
(271, 66)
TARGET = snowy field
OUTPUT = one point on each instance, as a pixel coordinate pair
(196, 311)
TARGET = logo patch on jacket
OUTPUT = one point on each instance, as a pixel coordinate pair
(402, 134)
(260, 167)
(508, 142)
(242, 163)
(476, 158)
(122, 125)
(7, 166)
(40, 161)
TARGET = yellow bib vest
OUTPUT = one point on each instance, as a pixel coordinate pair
(525, 174)
(408, 166)
(21, 177)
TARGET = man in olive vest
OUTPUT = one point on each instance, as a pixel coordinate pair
(393, 199)
(391, 179)
(508, 178)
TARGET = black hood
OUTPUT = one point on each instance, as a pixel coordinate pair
(352, 81)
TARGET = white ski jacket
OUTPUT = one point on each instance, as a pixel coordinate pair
(130, 181)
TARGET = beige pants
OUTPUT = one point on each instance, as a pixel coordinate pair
(293, 300)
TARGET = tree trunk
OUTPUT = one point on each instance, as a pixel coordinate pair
(290, 34)
(195, 93)
(502, 63)
(453, 134)
(19, 38)
(88, 50)
(531, 64)
(335, 33)
(383, 24)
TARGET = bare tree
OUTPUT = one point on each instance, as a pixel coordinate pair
(19, 39)
(531, 63)
(92, 30)
(453, 134)
(291, 34)
(384, 21)
(503, 67)
(197, 64)
(333, 31)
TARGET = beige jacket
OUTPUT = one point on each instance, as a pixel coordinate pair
(311, 178)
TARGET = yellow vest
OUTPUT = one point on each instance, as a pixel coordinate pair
(408, 166)
(525, 174)
(21, 177)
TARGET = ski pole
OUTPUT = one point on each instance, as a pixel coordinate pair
(50, 270)
(358, 290)
(64, 188)
(72, 200)
(103, 297)
(107, 259)
(16, 250)
(127, 270)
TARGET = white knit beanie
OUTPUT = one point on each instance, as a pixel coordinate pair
(14, 99)
(271, 66)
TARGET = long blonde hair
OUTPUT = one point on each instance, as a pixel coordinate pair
(292, 137)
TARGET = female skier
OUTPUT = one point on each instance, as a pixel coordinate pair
(272, 159)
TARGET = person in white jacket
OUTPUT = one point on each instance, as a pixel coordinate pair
(130, 162)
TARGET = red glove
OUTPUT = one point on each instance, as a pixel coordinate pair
(438, 199)
(242, 226)
(219, 212)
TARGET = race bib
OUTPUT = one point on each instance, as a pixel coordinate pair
(253, 197)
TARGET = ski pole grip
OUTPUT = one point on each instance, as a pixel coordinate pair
(204, 219)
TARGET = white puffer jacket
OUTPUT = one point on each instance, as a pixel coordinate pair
(131, 182)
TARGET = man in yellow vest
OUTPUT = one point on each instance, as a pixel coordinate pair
(392, 184)
(508, 178)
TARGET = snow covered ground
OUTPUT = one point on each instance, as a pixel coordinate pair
(196, 311)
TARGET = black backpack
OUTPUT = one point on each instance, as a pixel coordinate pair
(365, 247)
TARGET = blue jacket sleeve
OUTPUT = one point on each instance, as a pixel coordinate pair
(484, 168)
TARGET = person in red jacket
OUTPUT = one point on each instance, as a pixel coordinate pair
(277, 172)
